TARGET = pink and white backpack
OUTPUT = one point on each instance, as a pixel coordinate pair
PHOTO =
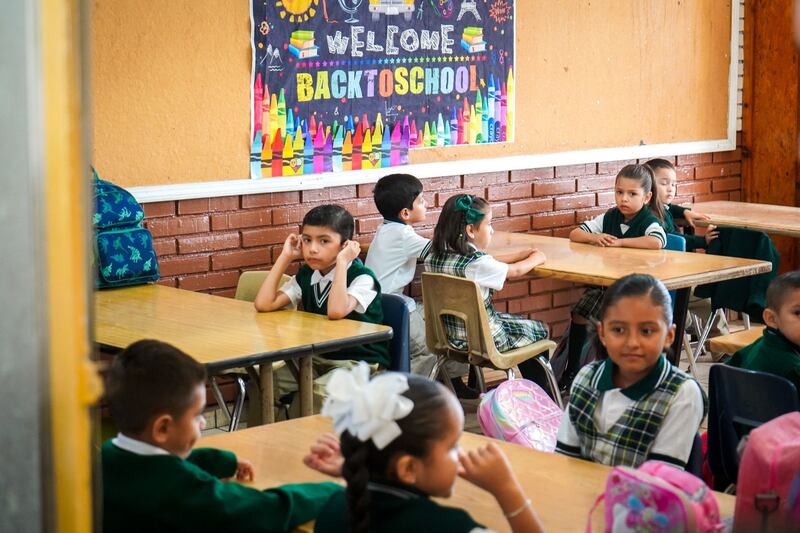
(657, 498)
(520, 411)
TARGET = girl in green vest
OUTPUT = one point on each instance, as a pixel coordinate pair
(666, 187)
(400, 442)
(331, 282)
(635, 222)
(632, 405)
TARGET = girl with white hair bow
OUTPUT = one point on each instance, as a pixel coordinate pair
(400, 446)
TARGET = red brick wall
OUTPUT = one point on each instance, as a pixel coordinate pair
(204, 244)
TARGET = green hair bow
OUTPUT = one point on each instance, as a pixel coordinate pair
(464, 204)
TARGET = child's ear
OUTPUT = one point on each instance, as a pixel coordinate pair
(601, 333)
(160, 429)
(405, 214)
(770, 318)
(647, 197)
(670, 337)
(469, 229)
(406, 469)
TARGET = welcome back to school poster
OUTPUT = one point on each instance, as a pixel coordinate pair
(342, 85)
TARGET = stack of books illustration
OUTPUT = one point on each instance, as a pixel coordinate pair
(301, 44)
(472, 39)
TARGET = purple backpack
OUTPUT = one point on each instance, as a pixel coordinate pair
(520, 411)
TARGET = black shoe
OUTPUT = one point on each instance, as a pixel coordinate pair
(462, 391)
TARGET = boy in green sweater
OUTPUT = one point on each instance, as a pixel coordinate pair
(152, 478)
(778, 349)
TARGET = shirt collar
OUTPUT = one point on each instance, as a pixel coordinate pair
(387, 220)
(395, 489)
(637, 391)
(317, 276)
(138, 447)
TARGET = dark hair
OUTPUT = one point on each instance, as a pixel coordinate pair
(332, 216)
(450, 235)
(633, 285)
(644, 175)
(659, 164)
(150, 378)
(396, 192)
(363, 462)
(780, 288)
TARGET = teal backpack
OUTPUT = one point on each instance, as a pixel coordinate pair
(124, 252)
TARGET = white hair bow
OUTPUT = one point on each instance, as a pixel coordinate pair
(365, 408)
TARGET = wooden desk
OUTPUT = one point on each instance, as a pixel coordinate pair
(776, 219)
(584, 263)
(734, 342)
(224, 333)
(563, 489)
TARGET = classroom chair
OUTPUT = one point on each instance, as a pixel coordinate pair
(246, 290)
(677, 243)
(445, 295)
(694, 465)
(395, 315)
(739, 401)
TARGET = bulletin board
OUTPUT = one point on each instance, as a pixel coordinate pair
(594, 79)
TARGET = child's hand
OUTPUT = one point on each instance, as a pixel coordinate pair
(291, 247)
(539, 256)
(349, 252)
(711, 234)
(325, 456)
(244, 470)
(691, 217)
(488, 468)
(604, 239)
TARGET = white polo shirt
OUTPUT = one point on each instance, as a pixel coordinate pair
(393, 255)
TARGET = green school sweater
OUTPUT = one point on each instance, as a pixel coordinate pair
(396, 508)
(316, 301)
(772, 353)
(613, 219)
(693, 242)
(165, 493)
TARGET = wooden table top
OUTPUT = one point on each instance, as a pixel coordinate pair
(585, 263)
(734, 342)
(776, 219)
(563, 489)
(220, 332)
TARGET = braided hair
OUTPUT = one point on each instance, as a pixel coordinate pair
(363, 462)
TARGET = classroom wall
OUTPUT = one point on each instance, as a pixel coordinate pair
(204, 244)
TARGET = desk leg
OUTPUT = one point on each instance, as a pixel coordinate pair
(267, 393)
(306, 386)
(681, 308)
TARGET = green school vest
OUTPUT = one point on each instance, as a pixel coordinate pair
(316, 301)
(636, 226)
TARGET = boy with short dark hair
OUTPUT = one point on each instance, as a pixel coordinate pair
(154, 481)
(393, 255)
(778, 349)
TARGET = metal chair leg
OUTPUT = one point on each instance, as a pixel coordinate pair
(218, 396)
(690, 356)
(746, 319)
(479, 378)
(510, 374)
(238, 405)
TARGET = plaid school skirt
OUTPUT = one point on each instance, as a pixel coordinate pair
(589, 305)
(508, 331)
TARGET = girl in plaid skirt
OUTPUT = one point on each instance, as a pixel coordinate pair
(464, 230)
(632, 405)
(635, 222)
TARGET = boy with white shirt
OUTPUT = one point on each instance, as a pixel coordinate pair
(393, 255)
(153, 479)
(331, 282)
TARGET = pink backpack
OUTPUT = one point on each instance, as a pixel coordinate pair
(520, 411)
(657, 498)
(770, 462)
